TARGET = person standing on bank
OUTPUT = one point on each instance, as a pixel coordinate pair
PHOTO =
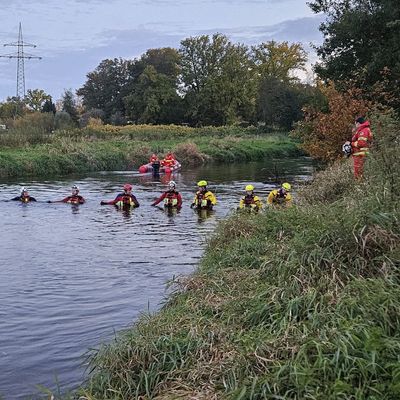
(360, 145)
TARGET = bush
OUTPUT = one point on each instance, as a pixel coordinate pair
(189, 154)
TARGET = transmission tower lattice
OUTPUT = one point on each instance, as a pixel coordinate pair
(20, 55)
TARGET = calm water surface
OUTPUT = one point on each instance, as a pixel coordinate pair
(70, 276)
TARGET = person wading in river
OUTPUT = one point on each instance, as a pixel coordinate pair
(75, 198)
(250, 201)
(280, 197)
(125, 199)
(24, 197)
(171, 198)
(203, 199)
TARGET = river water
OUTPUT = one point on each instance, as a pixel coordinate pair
(70, 276)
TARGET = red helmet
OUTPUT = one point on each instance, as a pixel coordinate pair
(127, 186)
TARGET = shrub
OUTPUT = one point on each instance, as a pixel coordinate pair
(189, 154)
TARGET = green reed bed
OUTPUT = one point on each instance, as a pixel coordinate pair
(296, 304)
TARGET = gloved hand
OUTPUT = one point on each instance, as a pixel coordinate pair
(192, 205)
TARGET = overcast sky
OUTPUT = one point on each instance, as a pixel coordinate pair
(73, 36)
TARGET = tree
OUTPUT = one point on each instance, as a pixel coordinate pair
(324, 131)
(12, 108)
(108, 84)
(36, 98)
(278, 60)
(278, 104)
(361, 41)
(68, 105)
(216, 80)
(48, 107)
(153, 97)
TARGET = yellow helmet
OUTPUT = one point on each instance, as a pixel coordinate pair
(249, 188)
(202, 183)
(286, 186)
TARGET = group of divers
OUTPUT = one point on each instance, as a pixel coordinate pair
(203, 199)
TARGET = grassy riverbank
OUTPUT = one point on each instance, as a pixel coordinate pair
(294, 304)
(110, 148)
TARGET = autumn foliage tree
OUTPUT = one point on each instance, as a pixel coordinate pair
(323, 132)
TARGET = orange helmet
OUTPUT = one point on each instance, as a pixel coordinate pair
(127, 186)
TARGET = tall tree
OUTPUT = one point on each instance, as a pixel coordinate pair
(278, 105)
(154, 98)
(107, 85)
(35, 99)
(48, 107)
(278, 60)
(216, 79)
(68, 105)
(362, 40)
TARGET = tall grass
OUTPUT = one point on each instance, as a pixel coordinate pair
(66, 154)
(296, 304)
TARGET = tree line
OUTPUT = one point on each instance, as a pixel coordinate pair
(209, 80)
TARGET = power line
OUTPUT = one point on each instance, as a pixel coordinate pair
(21, 56)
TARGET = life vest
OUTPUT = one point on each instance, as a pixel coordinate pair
(74, 200)
(278, 197)
(250, 201)
(171, 199)
(125, 201)
(204, 199)
(169, 161)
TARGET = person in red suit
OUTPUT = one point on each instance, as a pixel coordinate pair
(360, 145)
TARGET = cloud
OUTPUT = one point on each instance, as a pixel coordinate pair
(67, 68)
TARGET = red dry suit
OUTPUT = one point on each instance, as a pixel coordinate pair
(171, 199)
(360, 144)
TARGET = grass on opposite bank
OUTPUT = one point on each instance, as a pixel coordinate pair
(295, 304)
(67, 154)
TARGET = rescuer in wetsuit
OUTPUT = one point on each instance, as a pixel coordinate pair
(250, 201)
(24, 197)
(75, 197)
(172, 198)
(280, 197)
(125, 199)
(203, 199)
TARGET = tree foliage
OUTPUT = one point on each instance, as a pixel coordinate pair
(107, 85)
(68, 105)
(154, 98)
(361, 41)
(209, 81)
(278, 60)
(35, 99)
(324, 132)
(216, 78)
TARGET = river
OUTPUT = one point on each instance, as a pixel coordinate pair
(71, 276)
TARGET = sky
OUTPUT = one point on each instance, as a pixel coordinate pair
(74, 36)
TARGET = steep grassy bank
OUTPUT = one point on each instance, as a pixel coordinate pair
(295, 304)
(109, 148)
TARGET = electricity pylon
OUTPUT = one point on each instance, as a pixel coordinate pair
(20, 55)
